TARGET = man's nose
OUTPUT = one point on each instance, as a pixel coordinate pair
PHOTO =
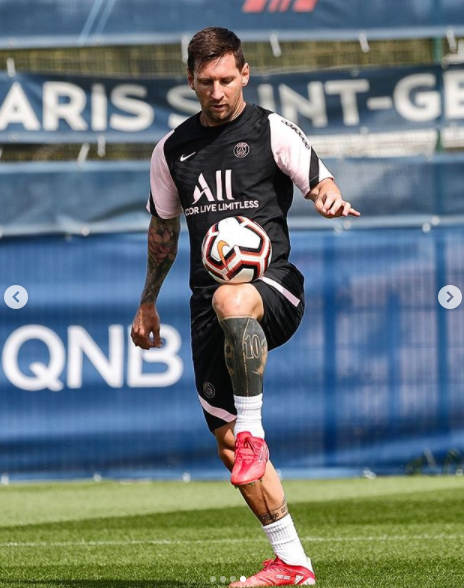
(217, 93)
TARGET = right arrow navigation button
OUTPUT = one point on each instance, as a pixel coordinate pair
(450, 297)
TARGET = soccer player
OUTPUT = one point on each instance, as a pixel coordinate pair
(234, 158)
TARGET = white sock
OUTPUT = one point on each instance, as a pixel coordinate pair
(286, 544)
(249, 415)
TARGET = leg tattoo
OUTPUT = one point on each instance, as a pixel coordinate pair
(246, 354)
(273, 515)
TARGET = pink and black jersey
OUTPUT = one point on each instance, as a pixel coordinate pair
(246, 167)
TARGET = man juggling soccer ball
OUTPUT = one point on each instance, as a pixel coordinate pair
(234, 159)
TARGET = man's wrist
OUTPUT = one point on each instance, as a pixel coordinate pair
(148, 302)
(316, 192)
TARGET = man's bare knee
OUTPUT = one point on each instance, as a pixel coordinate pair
(228, 301)
(237, 300)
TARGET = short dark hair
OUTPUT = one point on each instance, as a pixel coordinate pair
(212, 43)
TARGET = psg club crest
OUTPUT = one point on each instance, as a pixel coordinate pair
(208, 390)
(241, 150)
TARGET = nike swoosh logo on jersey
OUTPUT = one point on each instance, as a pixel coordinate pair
(184, 157)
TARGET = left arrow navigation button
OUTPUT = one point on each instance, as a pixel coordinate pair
(16, 297)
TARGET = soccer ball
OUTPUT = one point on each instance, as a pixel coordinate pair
(236, 250)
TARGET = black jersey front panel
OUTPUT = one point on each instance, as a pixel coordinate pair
(228, 170)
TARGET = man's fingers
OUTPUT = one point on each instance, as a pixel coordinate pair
(154, 341)
(346, 209)
(157, 341)
(335, 206)
(143, 342)
(142, 339)
(329, 200)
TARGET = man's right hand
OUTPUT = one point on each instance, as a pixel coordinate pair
(145, 323)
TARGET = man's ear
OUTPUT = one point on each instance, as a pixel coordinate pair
(245, 74)
(190, 78)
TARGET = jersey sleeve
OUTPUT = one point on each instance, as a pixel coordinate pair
(164, 198)
(294, 155)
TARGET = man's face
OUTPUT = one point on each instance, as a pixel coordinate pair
(218, 86)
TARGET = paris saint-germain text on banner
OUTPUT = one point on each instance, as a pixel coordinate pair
(36, 108)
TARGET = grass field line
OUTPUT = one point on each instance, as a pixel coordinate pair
(225, 540)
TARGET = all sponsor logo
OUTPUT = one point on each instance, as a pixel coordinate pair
(222, 199)
(203, 188)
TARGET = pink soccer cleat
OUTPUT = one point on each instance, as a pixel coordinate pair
(275, 572)
(251, 456)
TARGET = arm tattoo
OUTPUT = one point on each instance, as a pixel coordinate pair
(274, 514)
(163, 236)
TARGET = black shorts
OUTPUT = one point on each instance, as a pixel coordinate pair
(282, 292)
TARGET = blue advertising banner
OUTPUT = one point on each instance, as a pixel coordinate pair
(372, 379)
(34, 23)
(72, 109)
(105, 197)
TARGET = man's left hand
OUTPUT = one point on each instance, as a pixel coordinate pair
(330, 204)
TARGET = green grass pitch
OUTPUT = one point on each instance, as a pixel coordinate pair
(387, 532)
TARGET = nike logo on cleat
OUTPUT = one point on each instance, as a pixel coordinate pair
(184, 157)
